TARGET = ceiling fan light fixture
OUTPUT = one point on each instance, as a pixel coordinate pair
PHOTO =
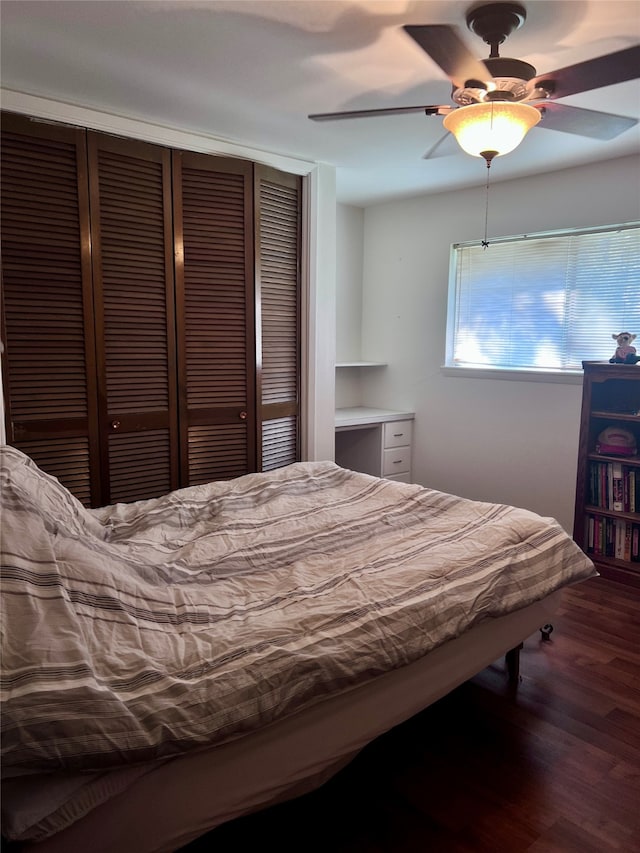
(497, 127)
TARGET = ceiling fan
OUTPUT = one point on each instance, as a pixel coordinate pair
(500, 81)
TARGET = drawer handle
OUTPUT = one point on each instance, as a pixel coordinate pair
(398, 434)
(397, 461)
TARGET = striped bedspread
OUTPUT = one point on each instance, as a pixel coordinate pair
(140, 631)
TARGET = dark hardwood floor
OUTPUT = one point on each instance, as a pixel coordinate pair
(551, 768)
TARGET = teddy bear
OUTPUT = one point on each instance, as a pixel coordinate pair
(625, 353)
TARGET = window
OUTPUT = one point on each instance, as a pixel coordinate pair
(543, 302)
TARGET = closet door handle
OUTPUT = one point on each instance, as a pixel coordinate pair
(243, 416)
(115, 424)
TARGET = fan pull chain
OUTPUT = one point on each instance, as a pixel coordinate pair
(485, 242)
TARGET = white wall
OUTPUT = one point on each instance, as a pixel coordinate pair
(488, 439)
(350, 257)
(349, 251)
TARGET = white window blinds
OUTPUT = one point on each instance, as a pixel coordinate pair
(544, 302)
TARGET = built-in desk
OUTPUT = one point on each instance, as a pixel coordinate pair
(375, 441)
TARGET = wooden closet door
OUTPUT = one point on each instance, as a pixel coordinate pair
(278, 237)
(49, 373)
(213, 228)
(132, 242)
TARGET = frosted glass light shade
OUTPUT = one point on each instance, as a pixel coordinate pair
(493, 128)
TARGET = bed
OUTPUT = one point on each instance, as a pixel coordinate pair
(171, 664)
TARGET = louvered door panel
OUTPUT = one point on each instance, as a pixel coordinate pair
(217, 452)
(134, 293)
(215, 298)
(133, 462)
(64, 458)
(49, 363)
(278, 212)
(279, 442)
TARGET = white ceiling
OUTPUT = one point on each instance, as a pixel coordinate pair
(251, 72)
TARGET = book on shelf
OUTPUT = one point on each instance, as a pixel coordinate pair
(613, 537)
(617, 487)
(614, 486)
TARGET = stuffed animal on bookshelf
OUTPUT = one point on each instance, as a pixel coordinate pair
(625, 353)
(616, 441)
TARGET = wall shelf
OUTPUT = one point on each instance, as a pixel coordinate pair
(361, 364)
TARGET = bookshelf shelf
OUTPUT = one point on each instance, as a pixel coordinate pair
(610, 567)
(631, 461)
(612, 513)
(617, 416)
(607, 509)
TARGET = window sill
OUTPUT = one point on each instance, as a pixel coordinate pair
(564, 377)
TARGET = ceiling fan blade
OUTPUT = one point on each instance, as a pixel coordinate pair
(440, 150)
(447, 50)
(583, 122)
(429, 109)
(592, 74)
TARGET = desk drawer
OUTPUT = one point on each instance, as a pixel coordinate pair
(399, 478)
(397, 433)
(396, 460)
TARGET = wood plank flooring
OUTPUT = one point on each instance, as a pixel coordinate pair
(551, 768)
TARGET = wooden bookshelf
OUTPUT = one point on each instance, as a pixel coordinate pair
(607, 510)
